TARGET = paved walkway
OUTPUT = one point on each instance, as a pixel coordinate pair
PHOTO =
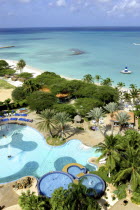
(130, 206)
(7, 196)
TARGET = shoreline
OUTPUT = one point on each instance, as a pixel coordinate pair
(36, 72)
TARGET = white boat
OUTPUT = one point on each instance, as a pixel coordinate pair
(125, 71)
(136, 44)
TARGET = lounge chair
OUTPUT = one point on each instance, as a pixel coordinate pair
(16, 114)
(13, 118)
(4, 120)
(22, 119)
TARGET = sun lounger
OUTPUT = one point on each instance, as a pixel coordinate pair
(21, 119)
(102, 162)
(13, 118)
(16, 114)
(4, 120)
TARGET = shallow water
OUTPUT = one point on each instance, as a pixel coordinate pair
(106, 51)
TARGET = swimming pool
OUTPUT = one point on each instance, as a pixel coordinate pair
(92, 181)
(31, 155)
(52, 181)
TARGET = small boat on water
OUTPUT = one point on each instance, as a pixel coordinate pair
(125, 71)
(136, 43)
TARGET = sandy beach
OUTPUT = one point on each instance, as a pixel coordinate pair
(27, 68)
(37, 72)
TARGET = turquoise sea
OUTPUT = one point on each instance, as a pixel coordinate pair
(106, 51)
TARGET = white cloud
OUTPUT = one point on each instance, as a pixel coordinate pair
(125, 6)
(61, 3)
(104, 1)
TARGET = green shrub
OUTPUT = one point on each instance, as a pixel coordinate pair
(7, 71)
(29, 201)
(136, 196)
(84, 105)
(39, 101)
(25, 75)
(120, 192)
(80, 128)
(3, 64)
(18, 94)
(70, 109)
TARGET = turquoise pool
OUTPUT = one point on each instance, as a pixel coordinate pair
(30, 155)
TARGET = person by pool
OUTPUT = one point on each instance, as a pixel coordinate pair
(4, 135)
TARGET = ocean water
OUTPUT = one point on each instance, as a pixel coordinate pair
(106, 51)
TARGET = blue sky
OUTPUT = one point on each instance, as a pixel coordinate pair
(49, 13)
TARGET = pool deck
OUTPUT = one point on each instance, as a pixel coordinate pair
(86, 136)
(130, 206)
(7, 195)
(65, 169)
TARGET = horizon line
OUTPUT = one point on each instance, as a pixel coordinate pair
(71, 27)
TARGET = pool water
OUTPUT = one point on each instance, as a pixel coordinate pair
(52, 181)
(75, 170)
(31, 155)
(92, 181)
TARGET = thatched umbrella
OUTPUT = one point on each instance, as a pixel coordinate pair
(77, 119)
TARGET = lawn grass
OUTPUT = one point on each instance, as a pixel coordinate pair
(55, 141)
(5, 85)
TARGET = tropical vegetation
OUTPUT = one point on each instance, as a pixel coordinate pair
(122, 155)
(74, 198)
(20, 65)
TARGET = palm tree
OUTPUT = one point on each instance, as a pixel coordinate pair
(120, 85)
(20, 65)
(133, 86)
(109, 152)
(130, 168)
(46, 121)
(127, 96)
(30, 86)
(31, 201)
(107, 82)
(122, 118)
(61, 119)
(98, 78)
(88, 78)
(111, 108)
(134, 93)
(96, 114)
(7, 103)
(75, 197)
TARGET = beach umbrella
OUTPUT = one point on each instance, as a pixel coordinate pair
(77, 118)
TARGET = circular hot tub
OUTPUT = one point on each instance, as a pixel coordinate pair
(92, 181)
(52, 181)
